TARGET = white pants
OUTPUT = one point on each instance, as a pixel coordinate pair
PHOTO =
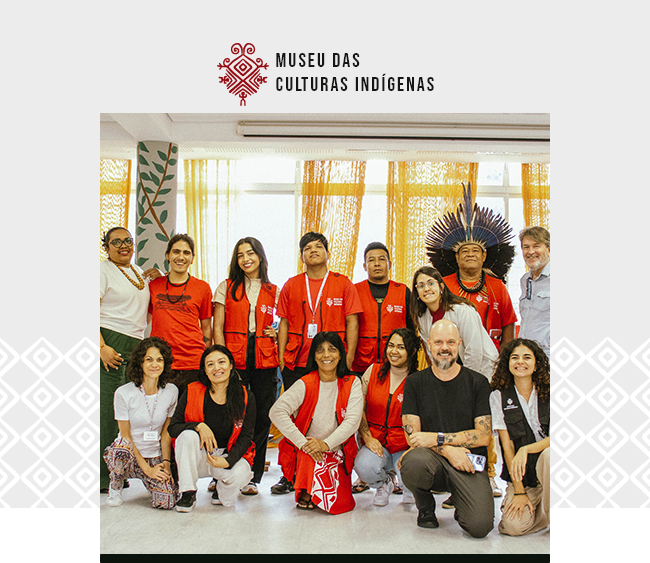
(193, 464)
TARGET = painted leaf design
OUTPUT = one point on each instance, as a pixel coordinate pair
(162, 237)
(163, 216)
(146, 221)
(142, 160)
(168, 177)
(145, 176)
(160, 168)
(174, 149)
(155, 179)
(164, 191)
(143, 147)
(142, 260)
(162, 155)
(142, 243)
(172, 162)
(158, 203)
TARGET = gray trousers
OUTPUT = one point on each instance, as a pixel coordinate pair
(423, 470)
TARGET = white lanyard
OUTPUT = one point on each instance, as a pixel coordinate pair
(320, 292)
(151, 413)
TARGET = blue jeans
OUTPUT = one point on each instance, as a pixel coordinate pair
(372, 469)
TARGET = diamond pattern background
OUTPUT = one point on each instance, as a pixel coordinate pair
(49, 425)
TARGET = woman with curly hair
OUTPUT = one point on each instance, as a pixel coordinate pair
(520, 413)
(381, 423)
(143, 410)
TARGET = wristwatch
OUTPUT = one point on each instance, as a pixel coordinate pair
(441, 438)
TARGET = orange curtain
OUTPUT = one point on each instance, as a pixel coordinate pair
(114, 192)
(536, 195)
(417, 194)
(332, 193)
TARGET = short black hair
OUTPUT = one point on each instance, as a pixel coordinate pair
(335, 340)
(376, 246)
(311, 237)
(180, 237)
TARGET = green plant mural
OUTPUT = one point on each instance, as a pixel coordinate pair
(156, 169)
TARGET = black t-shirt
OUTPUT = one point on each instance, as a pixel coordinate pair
(222, 427)
(447, 406)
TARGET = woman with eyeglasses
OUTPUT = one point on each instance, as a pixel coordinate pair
(123, 304)
(431, 301)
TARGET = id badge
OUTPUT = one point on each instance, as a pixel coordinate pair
(312, 330)
(151, 436)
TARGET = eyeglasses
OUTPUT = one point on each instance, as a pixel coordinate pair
(430, 284)
(117, 243)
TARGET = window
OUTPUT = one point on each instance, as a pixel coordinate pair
(268, 209)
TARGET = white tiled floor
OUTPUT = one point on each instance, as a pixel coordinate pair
(269, 523)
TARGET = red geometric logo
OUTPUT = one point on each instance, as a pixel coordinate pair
(243, 77)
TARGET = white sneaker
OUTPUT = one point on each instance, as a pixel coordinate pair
(250, 489)
(114, 497)
(383, 493)
(496, 491)
(408, 497)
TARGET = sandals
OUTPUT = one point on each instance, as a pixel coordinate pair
(305, 503)
(359, 487)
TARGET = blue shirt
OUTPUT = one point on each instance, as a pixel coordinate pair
(535, 308)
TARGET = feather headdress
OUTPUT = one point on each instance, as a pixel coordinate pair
(470, 224)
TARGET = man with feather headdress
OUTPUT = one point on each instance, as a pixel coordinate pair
(470, 249)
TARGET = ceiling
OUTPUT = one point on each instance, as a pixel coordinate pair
(456, 137)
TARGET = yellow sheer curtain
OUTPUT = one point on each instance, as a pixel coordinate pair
(211, 203)
(536, 195)
(196, 211)
(332, 194)
(417, 194)
(114, 192)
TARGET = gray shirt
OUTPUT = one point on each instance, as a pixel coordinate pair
(535, 308)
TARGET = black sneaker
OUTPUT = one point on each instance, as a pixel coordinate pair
(187, 502)
(215, 497)
(427, 519)
(449, 503)
(282, 487)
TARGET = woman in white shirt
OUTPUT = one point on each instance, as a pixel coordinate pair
(520, 414)
(123, 304)
(431, 301)
(143, 409)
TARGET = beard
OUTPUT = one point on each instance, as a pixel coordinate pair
(445, 364)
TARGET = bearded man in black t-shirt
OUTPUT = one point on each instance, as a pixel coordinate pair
(446, 416)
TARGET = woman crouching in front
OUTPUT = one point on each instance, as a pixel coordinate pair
(318, 417)
(213, 426)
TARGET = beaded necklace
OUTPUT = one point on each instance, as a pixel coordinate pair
(476, 287)
(140, 284)
(176, 285)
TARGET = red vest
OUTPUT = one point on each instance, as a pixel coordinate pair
(194, 413)
(287, 451)
(235, 330)
(384, 413)
(377, 322)
(329, 315)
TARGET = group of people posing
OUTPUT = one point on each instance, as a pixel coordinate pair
(406, 387)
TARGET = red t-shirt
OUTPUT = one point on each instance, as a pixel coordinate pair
(176, 315)
(351, 305)
(492, 302)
